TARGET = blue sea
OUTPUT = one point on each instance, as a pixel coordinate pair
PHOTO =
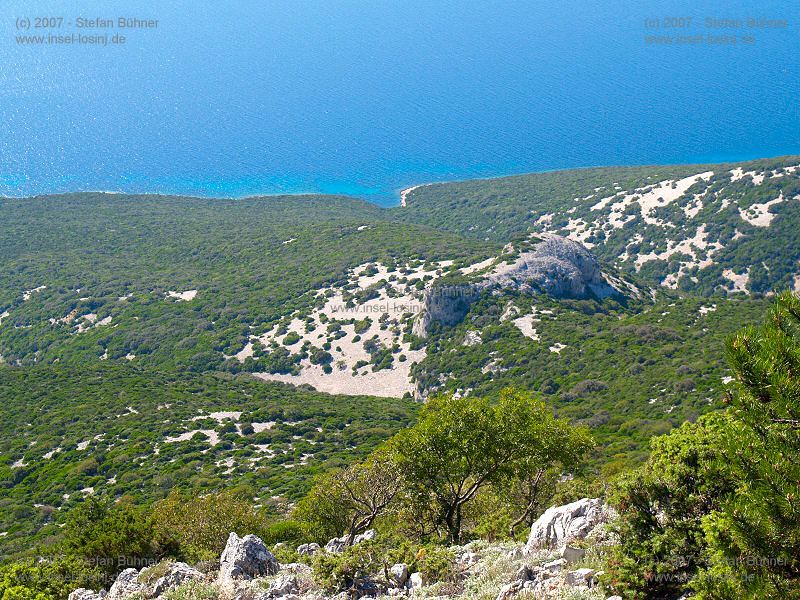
(366, 97)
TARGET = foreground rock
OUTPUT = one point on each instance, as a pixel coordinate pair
(560, 525)
(177, 573)
(337, 545)
(127, 584)
(248, 571)
(244, 559)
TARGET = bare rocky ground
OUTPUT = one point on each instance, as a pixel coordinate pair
(559, 561)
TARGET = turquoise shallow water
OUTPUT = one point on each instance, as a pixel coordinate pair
(366, 98)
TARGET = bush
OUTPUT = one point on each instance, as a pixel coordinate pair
(101, 533)
(197, 528)
(51, 578)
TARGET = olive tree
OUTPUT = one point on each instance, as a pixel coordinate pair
(461, 445)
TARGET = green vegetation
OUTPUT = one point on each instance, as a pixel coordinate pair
(104, 429)
(129, 428)
(498, 209)
(460, 446)
(118, 256)
(715, 507)
(628, 373)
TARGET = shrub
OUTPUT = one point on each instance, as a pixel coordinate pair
(197, 528)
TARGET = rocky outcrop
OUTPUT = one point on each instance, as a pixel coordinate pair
(556, 266)
(177, 573)
(244, 559)
(560, 525)
(126, 584)
(445, 304)
(248, 571)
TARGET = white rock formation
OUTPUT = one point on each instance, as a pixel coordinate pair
(561, 524)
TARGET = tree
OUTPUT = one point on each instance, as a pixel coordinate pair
(461, 445)
(661, 506)
(349, 500)
(755, 539)
(556, 446)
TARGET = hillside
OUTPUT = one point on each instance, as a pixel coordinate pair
(180, 282)
(147, 341)
(119, 430)
(707, 229)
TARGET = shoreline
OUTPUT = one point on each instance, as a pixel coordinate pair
(405, 192)
(399, 195)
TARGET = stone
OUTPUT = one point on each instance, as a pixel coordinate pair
(556, 565)
(580, 577)
(614, 598)
(368, 535)
(127, 583)
(468, 559)
(572, 555)
(177, 573)
(335, 545)
(283, 586)
(524, 573)
(246, 558)
(510, 590)
(308, 549)
(415, 581)
(562, 524)
(85, 594)
(398, 574)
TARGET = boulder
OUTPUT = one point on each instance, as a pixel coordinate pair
(579, 578)
(398, 574)
(337, 545)
(368, 535)
(510, 590)
(415, 581)
(525, 573)
(177, 573)
(283, 586)
(308, 549)
(246, 558)
(127, 583)
(556, 565)
(571, 554)
(562, 524)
